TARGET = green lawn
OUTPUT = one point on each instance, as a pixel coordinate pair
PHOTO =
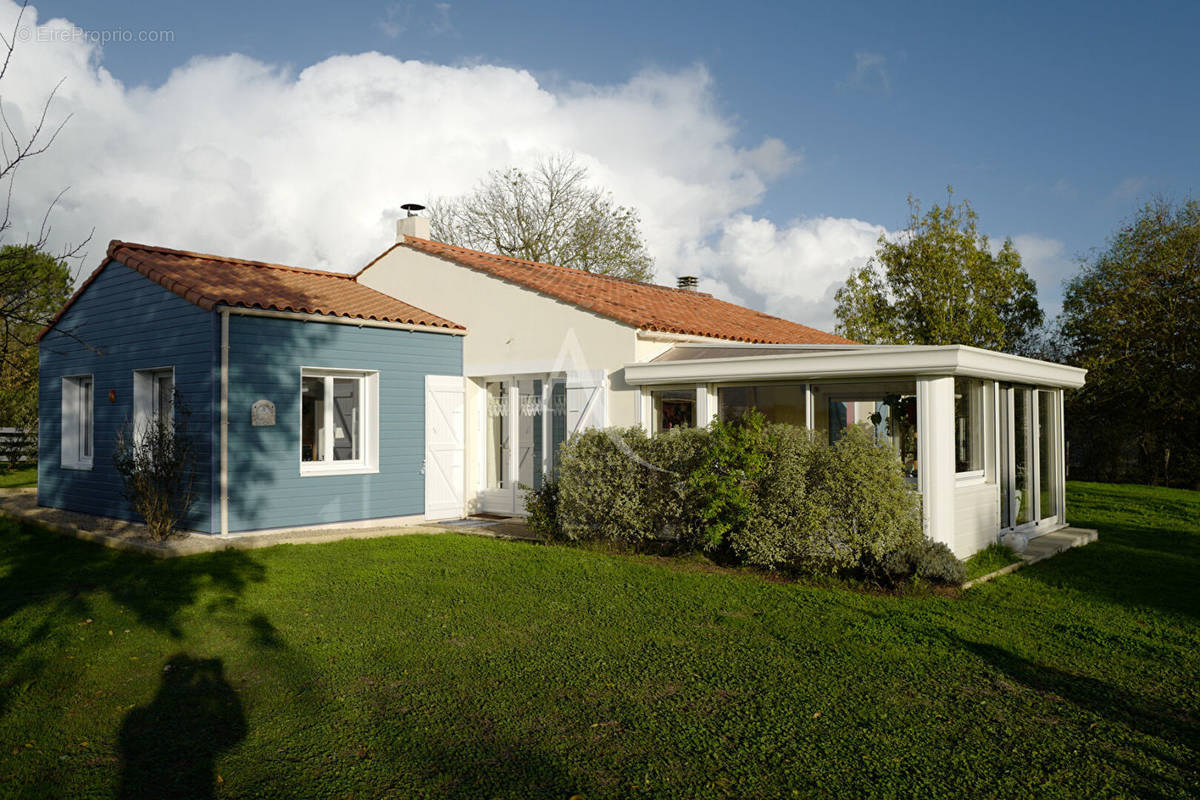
(454, 666)
(19, 477)
(990, 559)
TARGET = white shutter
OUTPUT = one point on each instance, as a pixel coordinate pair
(586, 401)
(445, 403)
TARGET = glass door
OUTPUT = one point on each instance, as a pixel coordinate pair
(1029, 442)
(521, 415)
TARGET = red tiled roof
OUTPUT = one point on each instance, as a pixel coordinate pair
(643, 305)
(210, 281)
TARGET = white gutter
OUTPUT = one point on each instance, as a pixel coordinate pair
(224, 487)
(891, 361)
(329, 318)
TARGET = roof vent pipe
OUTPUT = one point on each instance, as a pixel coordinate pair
(411, 224)
(688, 282)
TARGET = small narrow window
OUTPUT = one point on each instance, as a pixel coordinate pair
(153, 399)
(76, 444)
(968, 425)
(338, 428)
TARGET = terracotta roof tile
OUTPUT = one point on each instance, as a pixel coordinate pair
(210, 281)
(643, 305)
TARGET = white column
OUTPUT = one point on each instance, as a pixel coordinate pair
(935, 453)
(703, 412)
(547, 420)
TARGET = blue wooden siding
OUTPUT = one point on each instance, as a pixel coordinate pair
(123, 322)
(266, 489)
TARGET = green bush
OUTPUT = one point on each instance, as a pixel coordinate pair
(866, 510)
(723, 483)
(541, 504)
(773, 496)
(779, 531)
(926, 560)
(672, 502)
(604, 486)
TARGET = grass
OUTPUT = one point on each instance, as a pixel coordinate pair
(464, 667)
(18, 478)
(990, 559)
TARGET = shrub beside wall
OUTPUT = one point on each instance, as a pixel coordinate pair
(772, 496)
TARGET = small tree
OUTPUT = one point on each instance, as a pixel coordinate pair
(548, 214)
(939, 283)
(157, 463)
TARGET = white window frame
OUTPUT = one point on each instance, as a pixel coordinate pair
(699, 410)
(77, 443)
(146, 408)
(979, 407)
(368, 460)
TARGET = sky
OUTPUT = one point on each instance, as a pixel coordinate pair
(767, 146)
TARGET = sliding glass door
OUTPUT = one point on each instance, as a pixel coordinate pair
(1030, 455)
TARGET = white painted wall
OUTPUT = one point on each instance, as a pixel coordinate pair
(976, 518)
(512, 330)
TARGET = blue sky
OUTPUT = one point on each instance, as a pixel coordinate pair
(1054, 120)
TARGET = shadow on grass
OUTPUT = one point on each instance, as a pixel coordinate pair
(169, 747)
(1132, 565)
(40, 566)
(60, 576)
(482, 768)
(1174, 731)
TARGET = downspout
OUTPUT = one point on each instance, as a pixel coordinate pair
(224, 488)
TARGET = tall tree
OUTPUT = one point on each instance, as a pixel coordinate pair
(1132, 318)
(938, 282)
(549, 213)
(33, 285)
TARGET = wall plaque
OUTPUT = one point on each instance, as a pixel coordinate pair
(262, 413)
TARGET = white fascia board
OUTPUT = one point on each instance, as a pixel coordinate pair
(861, 362)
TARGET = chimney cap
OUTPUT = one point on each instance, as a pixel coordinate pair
(412, 208)
(688, 282)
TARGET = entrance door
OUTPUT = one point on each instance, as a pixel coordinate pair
(1030, 453)
(525, 419)
(445, 400)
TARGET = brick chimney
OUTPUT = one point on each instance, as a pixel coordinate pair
(688, 282)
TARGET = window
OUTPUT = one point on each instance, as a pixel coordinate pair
(76, 422)
(968, 425)
(888, 409)
(674, 408)
(338, 422)
(497, 436)
(153, 398)
(776, 402)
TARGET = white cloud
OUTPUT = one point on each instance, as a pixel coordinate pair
(234, 156)
(1130, 188)
(792, 271)
(1046, 261)
(870, 73)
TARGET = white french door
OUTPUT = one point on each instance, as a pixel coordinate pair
(523, 421)
(1031, 451)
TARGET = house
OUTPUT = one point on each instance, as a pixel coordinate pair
(304, 390)
(552, 350)
(456, 417)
